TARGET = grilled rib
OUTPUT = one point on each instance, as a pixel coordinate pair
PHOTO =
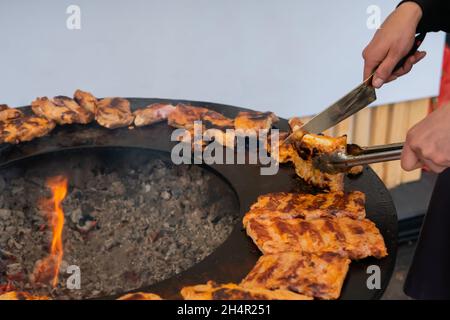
(307, 206)
(356, 239)
(24, 129)
(317, 275)
(153, 113)
(114, 113)
(230, 291)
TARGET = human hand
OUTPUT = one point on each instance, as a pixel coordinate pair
(391, 43)
(428, 143)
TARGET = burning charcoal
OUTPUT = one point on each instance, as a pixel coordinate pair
(199, 214)
(156, 220)
(63, 267)
(18, 215)
(118, 188)
(76, 194)
(13, 269)
(6, 255)
(17, 190)
(5, 214)
(173, 221)
(87, 226)
(147, 187)
(166, 195)
(110, 243)
(76, 216)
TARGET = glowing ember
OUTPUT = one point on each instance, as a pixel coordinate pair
(48, 268)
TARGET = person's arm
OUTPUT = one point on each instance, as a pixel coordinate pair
(428, 142)
(436, 15)
(396, 37)
(391, 43)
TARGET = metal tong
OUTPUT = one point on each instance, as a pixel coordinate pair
(350, 104)
(356, 156)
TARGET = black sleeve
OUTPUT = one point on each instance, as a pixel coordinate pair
(436, 15)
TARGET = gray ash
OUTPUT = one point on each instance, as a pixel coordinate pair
(131, 219)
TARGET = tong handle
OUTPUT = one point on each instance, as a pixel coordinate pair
(368, 155)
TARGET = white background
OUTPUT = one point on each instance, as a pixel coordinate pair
(293, 57)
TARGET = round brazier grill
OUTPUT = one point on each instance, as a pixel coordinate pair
(232, 260)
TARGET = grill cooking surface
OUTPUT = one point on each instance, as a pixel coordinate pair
(232, 260)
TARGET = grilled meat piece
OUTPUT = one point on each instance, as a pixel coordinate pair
(184, 116)
(14, 295)
(153, 113)
(24, 129)
(308, 146)
(356, 239)
(307, 206)
(86, 100)
(84, 116)
(213, 119)
(286, 151)
(318, 275)
(355, 171)
(296, 124)
(311, 145)
(250, 122)
(7, 113)
(62, 110)
(140, 296)
(230, 291)
(114, 113)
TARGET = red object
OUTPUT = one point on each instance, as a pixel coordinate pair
(444, 94)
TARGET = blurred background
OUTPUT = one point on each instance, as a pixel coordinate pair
(293, 57)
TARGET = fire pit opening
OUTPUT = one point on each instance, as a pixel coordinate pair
(129, 218)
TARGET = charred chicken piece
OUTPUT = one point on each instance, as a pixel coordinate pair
(14, 295)
(356, 239)
(114, 113)
(86, 100)
(62, 110)
(307, 206)
(213, 119)
(184, 116)
(310, 145)
(251, 121)
(318, 275)
(140, 296)
(286, 151)
(24, 129)
(230, 291)
(153, 113)
(7, 113)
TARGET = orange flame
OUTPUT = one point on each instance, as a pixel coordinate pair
(58, 186)
(49, 267)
